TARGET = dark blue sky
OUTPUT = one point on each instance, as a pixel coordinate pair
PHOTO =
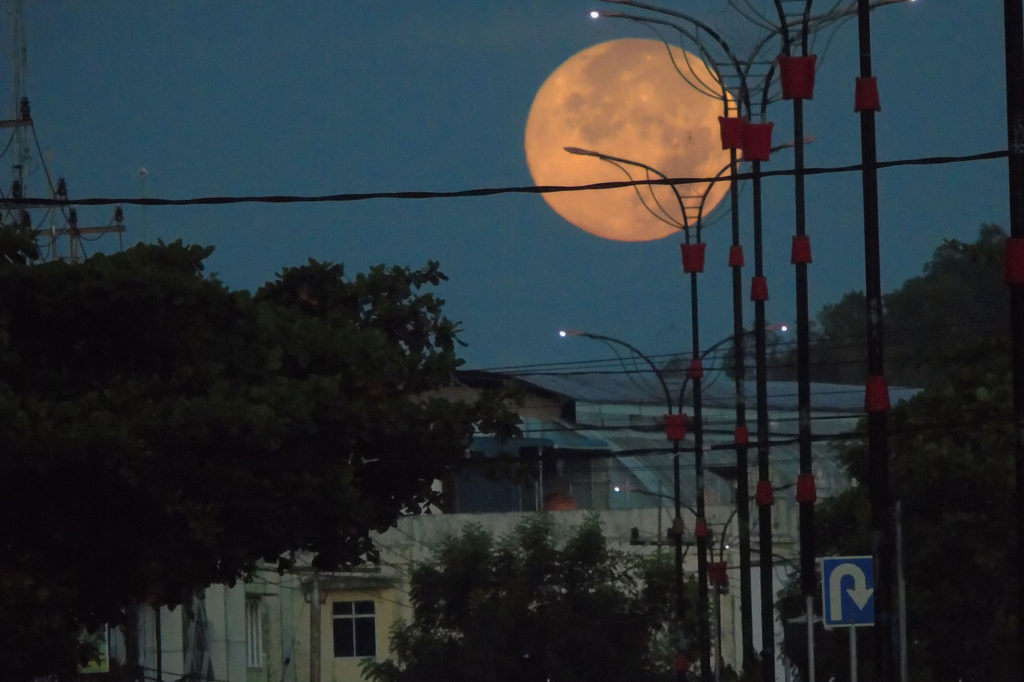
(322, 97)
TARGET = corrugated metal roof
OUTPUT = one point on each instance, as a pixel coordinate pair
(539, 433)
(643, 388)
(642, 449)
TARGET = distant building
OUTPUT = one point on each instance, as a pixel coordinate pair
(590, 442)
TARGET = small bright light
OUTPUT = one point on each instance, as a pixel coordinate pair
(783, 328)
(562, 333)
(617, 489)
(594, 14)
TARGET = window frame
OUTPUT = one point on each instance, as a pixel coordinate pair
(254, 633)
(354, 620)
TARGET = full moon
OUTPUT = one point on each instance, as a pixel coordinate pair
(624, 98)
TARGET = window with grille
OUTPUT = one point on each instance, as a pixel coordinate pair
(355, 629)
(254, 633)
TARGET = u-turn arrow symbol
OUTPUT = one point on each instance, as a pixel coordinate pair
(860, 593)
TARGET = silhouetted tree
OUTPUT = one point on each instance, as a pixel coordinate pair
(952, 470)
(959, 296)
(528, 607)
(159, 432)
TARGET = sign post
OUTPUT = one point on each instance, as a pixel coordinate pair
(847, 597)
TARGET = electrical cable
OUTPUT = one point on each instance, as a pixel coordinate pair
(826, 344)
(346, 197)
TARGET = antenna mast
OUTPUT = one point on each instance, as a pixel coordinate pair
(16, 208)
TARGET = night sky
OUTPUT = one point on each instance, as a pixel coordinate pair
(324, 97)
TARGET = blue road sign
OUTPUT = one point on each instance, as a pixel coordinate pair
(848, 590)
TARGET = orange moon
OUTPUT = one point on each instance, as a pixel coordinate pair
(624, 98)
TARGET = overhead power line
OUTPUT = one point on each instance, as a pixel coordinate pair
(482, 191)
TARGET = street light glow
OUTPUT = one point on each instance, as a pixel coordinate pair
(594, 14)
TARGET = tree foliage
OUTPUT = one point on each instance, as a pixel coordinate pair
(959, 296)
(952, 470)
(527, 607)
(161, 432)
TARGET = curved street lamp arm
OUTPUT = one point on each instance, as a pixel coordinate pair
(685, 17)
(707, 191)
(657, 211)
(616, 160)
(633, 349)
(687, 34)
(732, 338)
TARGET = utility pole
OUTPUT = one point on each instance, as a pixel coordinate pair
(314, 629)
(1013, 18)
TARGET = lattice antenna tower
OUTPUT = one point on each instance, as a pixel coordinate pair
(16, 203)
(19, 71)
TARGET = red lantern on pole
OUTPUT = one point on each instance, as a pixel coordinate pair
(1013, 263)
(866, 96)
(717, 575)
(731, 129)
(801, 252)
(693, 257)
(757, 141)
(876, 394)
(675, 426)
(736, 256)
(797, 76)
(759, 289)
(805, 489)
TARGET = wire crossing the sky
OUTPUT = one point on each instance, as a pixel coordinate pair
(8, 202)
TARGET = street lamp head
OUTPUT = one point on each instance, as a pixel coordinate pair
(581, 151)
(570, 332)
(594, 14)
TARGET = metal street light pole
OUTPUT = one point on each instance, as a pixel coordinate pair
(805, 492)
(1013, 27)
(677, 409)
(693, 264)
(877, 392)
(675, 431)
(758, 293)
(801, 257)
